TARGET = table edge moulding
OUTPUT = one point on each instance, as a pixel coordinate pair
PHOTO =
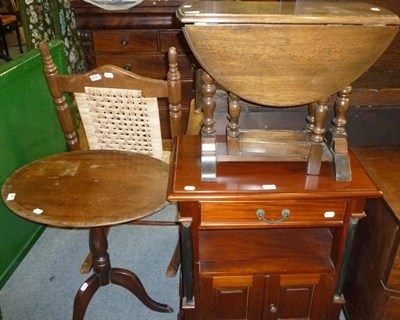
(265, 240)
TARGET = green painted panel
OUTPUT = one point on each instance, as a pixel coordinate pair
(29, 130)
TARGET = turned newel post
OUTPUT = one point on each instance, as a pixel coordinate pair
(174, 90)
(63, 112)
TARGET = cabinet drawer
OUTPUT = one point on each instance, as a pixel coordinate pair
(125, 41)
(151, 65)
(173, 38)
(272, 214)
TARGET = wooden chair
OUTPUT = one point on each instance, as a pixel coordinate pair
(10, 22)
(119, 111)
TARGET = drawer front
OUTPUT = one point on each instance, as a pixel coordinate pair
(272, 214)
(173, 38)
(151, 65)
(125, 41)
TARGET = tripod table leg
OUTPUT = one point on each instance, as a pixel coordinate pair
(131, 282)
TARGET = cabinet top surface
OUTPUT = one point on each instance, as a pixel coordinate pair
(266, 12)
(259, 180)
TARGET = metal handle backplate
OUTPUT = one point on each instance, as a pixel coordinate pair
(285, 215)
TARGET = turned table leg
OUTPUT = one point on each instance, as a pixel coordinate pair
(208, 133)
(232, 130)
(320, 111)
(104, 274)
(338, 135)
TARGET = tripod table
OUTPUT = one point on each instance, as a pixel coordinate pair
(92, 189)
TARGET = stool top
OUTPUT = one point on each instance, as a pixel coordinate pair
(266, 12)
(88, 188)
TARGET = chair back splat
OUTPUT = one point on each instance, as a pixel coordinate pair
(118, 108)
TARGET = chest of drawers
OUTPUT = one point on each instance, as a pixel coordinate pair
(265, 241)
(137, 40)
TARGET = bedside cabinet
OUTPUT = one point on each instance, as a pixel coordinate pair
(137, 40)
(266, 240)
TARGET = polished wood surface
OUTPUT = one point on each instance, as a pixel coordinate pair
(283, 12)
(373, 289)
(291, 60)
(240, 180)
(91, 189)
(88, 188)
(378, 86)
(264, 241)
(304, 64)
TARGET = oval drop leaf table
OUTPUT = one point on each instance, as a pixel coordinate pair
(283, 54)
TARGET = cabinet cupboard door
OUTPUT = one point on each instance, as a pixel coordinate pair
(232, 297)
(266, 297)
(298, 297)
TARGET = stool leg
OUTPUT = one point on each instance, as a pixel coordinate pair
(19, 40)
(5, 45)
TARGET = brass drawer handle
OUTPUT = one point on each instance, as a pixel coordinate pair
(285, 215)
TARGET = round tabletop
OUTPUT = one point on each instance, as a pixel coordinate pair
(88, 188)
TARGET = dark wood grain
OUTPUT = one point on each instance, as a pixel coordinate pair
(277, 269)
(240, 180)
(88, 188)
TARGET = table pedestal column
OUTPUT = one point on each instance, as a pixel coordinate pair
(104, 274)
